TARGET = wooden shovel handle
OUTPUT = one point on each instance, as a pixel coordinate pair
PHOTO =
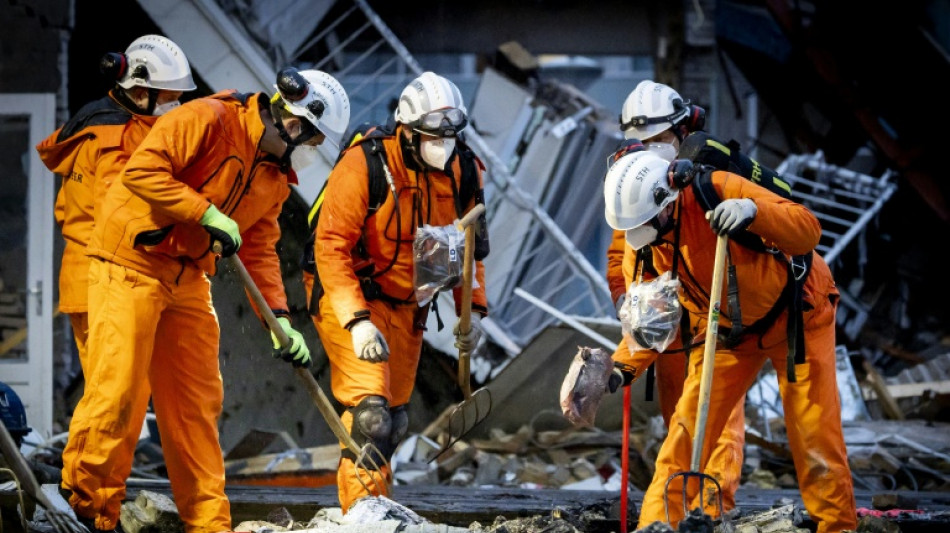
(313, 388)
(468, 224)
(709, 353)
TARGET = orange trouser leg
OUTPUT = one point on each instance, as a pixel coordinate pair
(813, 424)
(188, 394)
(354, 483)
(730, 381)
(670, 374)
(115, 483)
(80, 326)
(109, 416)
(725, 463)
(352, 379)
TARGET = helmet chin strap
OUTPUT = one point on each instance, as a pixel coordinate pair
(285, 164)
(411, 151)
(123, 97)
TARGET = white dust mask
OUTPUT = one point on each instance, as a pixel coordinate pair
(664, 150)
(303, 156)
(437, 152)
(161, 109)
(641, 236)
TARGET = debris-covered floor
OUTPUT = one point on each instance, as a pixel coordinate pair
(549, 479)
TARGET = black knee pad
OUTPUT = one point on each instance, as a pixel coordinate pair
(400, 422)
(372, 423)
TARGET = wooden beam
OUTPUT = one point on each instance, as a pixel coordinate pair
(888, 403)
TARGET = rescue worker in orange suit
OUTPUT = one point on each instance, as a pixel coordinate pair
(215, 170)
(661, 126)
(89, 152)
(369, 324)
(642, 201)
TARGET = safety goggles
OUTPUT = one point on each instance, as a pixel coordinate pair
(441, 122)
(679, 106)
(628, 146)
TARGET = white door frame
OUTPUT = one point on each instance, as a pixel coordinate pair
(33, 379)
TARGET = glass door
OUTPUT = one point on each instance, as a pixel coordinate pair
(26, 255)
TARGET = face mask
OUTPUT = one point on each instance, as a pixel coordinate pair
(165, 108)
(641, 236)
(303, 156)
(436, 152)
(664, 150)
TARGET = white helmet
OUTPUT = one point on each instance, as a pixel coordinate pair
(430, 92)
(636, 189)
(650, 109)
(156, 62)
(317, 97)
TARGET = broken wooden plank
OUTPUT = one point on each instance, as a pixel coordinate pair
(888, 403)
(911, 390)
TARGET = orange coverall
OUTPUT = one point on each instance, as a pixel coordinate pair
(88, 152)
(725, 464)
(152, 318)
(811, 405)
(425, 197)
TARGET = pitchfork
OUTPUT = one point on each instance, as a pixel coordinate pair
(365, 457)
(62, 521)
(475, 406)
(709, 354)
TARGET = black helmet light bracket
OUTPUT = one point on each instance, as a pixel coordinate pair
(693, 120)
(293, 87)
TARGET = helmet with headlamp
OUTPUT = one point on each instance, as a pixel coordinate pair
(317, 98)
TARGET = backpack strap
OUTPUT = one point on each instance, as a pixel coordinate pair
(708, 198)
(791, 297)
(798, 269)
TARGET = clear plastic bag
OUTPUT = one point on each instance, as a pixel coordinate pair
(437, 253)
(652, 311)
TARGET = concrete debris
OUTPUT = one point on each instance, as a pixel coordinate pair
(784, 519)
(150, 512)
(368, 515)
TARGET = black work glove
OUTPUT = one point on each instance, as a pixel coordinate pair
(620, 376)
(681, 173)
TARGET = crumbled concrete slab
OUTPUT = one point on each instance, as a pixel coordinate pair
(150, 512)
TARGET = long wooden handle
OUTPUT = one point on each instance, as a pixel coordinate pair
(313, 388)
(468, 224)
(709, 353)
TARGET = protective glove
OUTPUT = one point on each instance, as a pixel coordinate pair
(619, 377)
(468, 341)
(732, 216)
(368, 342)
(619, 303)
(222, 229)
(297, 352)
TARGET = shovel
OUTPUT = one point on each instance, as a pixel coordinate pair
(475, 406)
(709, 354)
(365, 456)
(62, 521)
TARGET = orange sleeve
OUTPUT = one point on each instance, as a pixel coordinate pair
(172, 145)
(479, 300)
(345, 204)
(787, 225)
(615, 264)
(259, 254)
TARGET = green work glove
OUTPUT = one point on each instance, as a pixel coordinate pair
(296, 352)
(223, 230)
